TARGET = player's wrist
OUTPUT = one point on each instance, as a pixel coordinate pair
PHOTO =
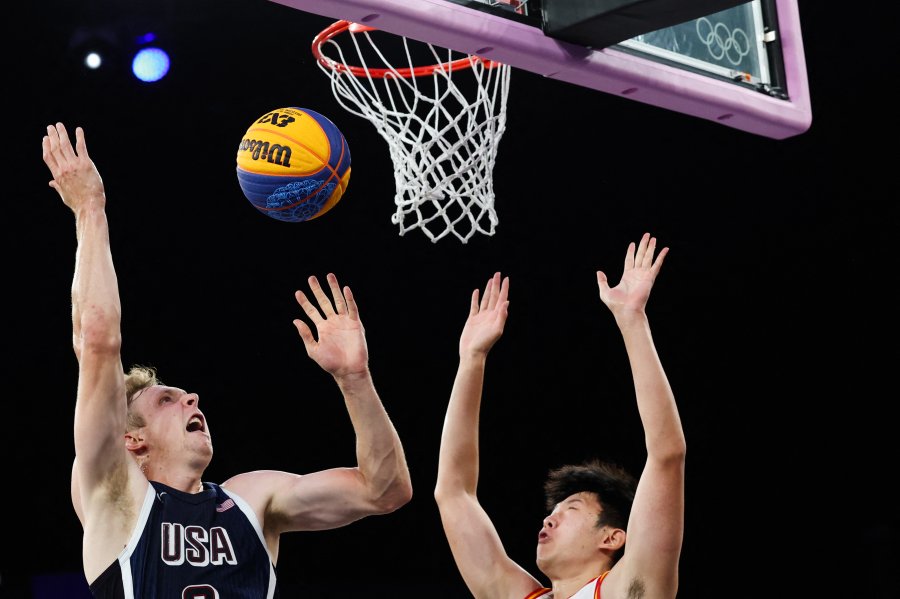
(473, 357)
(353, 377)
(628, 320)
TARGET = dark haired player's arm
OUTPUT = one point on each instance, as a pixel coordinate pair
(656, 525)
(476, 547)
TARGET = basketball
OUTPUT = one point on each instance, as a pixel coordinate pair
(293, 164)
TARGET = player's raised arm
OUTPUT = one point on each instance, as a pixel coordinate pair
(103, 467)
(476, 547)
(380, 483)
(656, 524)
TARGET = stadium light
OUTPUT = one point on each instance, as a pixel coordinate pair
(150, 64)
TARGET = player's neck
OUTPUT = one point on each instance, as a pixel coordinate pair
(564, 588)
(192, 487)
(189, 482)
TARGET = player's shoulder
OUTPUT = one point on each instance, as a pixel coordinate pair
(257, 485)
(257, 477)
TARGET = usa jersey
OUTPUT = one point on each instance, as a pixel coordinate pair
(206, 545)
(589, 591)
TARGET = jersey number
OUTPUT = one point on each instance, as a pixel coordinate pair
(199, 591)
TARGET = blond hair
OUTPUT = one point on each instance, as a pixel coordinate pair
(136, 380)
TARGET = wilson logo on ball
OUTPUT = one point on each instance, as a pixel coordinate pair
(261, 150)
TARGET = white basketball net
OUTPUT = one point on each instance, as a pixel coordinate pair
(443, 141)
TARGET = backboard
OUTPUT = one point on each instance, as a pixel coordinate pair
(742, 67)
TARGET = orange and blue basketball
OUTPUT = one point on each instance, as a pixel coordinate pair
(293, 164)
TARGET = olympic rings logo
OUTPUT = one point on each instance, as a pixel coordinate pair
(721, 42)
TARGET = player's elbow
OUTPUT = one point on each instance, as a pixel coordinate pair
(456, 505)
(678, 449)
(100, 333)
(445, 493)
(98, 342)
(672, 452)
(402, 496)
(440, 493)
(398, 494)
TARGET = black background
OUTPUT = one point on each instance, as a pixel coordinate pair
(773, 313)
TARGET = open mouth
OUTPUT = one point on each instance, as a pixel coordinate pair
(195, 424)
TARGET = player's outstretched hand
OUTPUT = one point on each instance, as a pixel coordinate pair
(75, 177)
(631, 294)
(340, 348)
(487, 317)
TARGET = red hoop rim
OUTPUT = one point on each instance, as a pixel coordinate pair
(339, 27)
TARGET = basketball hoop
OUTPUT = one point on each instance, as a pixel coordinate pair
(442, 122)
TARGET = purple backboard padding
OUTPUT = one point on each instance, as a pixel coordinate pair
(456, 27)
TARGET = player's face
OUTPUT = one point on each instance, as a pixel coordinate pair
(570, 534)
(175, 426)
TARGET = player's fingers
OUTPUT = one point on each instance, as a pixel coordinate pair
(641, 250)
(647, 261)
(308, 307)
(305, 333)
(352, 309)
(52, 139)
(659, 260)
(65, 145)
(324, 302)
(80, 145)
(486, 298)
(602, 283)
(47, 155)
(504, 291)
(495, 291)
(473, 304)
(339, 304)
(629, 256)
